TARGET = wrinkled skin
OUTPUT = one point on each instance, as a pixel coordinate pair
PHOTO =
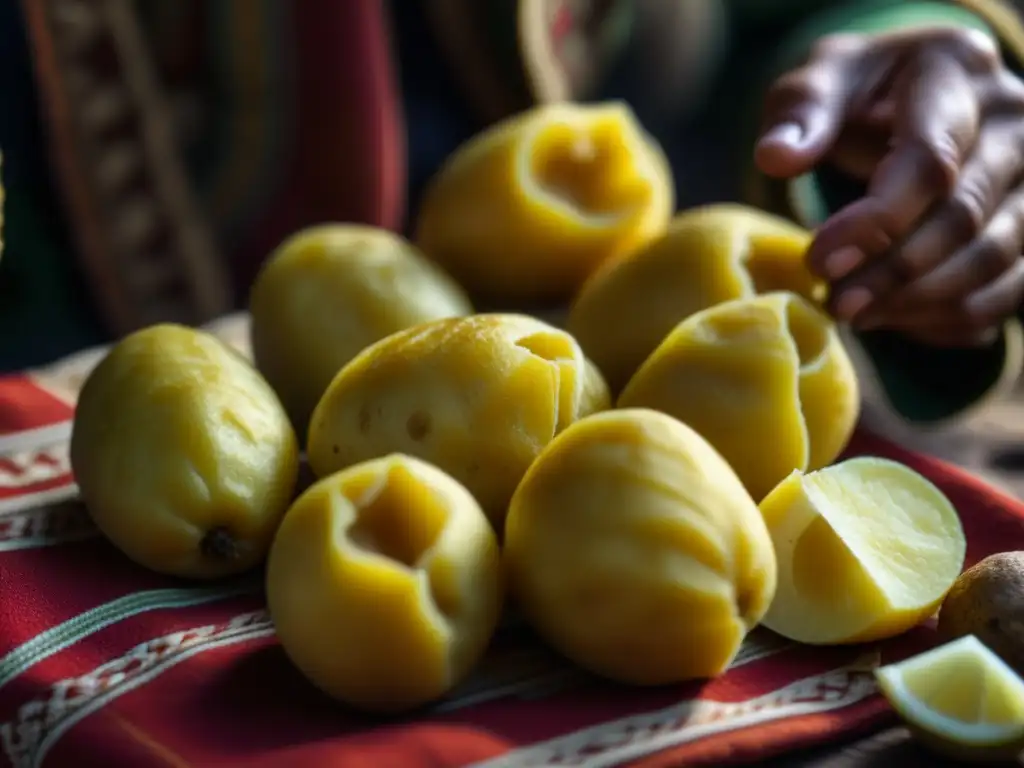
(931, 119)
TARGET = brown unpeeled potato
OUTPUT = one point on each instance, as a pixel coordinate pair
(988, 601)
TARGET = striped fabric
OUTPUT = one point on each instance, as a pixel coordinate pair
(303, 120)
(103, 664)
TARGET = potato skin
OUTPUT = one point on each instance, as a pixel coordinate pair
(327, 293)
(988, 601)
(384, 584)
(478, 397)
(183, 454)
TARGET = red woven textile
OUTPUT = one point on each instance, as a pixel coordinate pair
(105, 664)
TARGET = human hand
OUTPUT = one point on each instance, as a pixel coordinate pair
(933, 121)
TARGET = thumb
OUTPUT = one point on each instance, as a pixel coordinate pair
(804, 114)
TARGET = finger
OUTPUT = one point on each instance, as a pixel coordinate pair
(933, 265)
(935, 128)
(841, 244)
(991, 291)
(915, 172)
(994, 303)
(804, 112)
(881, 114)
(986, 257)
(858, 150)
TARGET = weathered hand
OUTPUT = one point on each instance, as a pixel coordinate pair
(933, 121)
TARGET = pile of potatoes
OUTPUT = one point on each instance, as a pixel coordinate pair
(464, 458)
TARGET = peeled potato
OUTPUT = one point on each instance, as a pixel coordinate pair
(183, 453)
(384, 583)
(708, 255)
(478, 397)
(634, 549)
(766, 380)
(329, 292)
(529, 208)
(866, 549)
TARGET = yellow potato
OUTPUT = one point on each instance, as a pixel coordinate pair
(526, 210)
(766, 380)
(329, 292)
(708, 255)
(634, 549)
(866, 549)
(384, 583)
(477, 396)
(183, 454)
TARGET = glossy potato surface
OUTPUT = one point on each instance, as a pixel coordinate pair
(183, 454)
(526, 210)
(478, 397)
(708, 255)
(329, 292)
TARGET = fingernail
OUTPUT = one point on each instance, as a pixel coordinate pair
(784, 133)
(842, 262)
(852, 302)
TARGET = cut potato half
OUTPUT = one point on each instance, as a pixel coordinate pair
(866, 549)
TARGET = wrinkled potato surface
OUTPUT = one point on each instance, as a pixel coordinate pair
(384, 583)
(766, 380)
(635, 550)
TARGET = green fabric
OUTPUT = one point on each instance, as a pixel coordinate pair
(930, 385)
(922, 383)
(867, 16)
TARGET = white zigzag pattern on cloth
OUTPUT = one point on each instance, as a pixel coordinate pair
(41, 518)
(28, 468)
(35, 456)
(40, 723)
(613, 743)
(535, 672)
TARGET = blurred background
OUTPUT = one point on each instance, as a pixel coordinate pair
(155, 151)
